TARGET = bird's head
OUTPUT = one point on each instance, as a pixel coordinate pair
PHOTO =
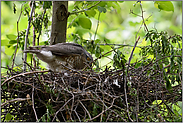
(89, 59)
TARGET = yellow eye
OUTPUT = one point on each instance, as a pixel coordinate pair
(88, 59)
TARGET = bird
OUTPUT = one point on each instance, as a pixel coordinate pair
(62, 56)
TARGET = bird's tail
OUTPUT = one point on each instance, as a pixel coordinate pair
(32, 50)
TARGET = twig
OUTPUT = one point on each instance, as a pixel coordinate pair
(23, 74)
(77, 115)
(97, 26)
(143, 17)
(30, 85)
(14, 100)
(42, 85)
(85, 109)
(103, 111)
(137, 105)
(61, 108)
(26, 37)
(123, 45)
(125, 82)
(34, 41)
(72, 22)
(84, 9)
(132, 52)
(33, 104)
(104, 55)
(41, 26)
(17, 38)
(40, 33)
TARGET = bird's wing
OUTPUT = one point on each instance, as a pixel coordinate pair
(66, 49)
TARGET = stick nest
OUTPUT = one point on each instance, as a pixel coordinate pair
(110, 95)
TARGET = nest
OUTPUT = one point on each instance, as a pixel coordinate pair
(110, 95)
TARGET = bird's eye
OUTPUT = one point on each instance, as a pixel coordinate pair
(88, 59)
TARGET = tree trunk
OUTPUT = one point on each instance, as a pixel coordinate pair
(59, 22)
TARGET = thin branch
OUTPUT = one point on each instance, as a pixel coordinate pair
(132, 52)
(97, 26)
(143, 17)
(143, 20)
(72, 22)
(124, 45)
(85, 109)
(26, 37)
(103, 111)
(30, 85)
(125, 82)
(34, 40)
(84, 9)
(15, 100)
(41, 27)
(61, 109)
(33, 104)
(17, 38)
(23, 74)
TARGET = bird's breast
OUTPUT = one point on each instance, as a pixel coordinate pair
(46, 56)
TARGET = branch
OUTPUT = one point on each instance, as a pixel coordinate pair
(97, 26)
(17, 38)
(61, 109)
(143, 20)
(124, 45)
(126, 79)
(14, 100)
(103, 110)
(132, 52)
(84, 9)
(23, 74)
(143, 17)
(41, 27)
(85, 109)
(33, 104)
(26, 37)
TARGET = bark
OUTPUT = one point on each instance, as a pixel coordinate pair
(59, 22)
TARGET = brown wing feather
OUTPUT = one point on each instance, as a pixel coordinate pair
(65, 49)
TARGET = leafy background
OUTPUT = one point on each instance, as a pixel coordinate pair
(117, 25)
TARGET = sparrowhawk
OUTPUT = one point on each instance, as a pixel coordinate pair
(61, 56)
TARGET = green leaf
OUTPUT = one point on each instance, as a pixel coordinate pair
(164, 5)
(168, 85)
(91, 13)
(81, 31)
(133, 23)
(173, 79)
(119, 59)
(12, 41)
(85, 22)
(97, 51)
(11, 36)
(4, 42)
(101, 9)
(120, 1)
(97, 41)
(102, 3)
(47, 4)
(8, 117)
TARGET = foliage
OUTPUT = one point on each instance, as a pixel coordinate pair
(164, 5)
(167, 50)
